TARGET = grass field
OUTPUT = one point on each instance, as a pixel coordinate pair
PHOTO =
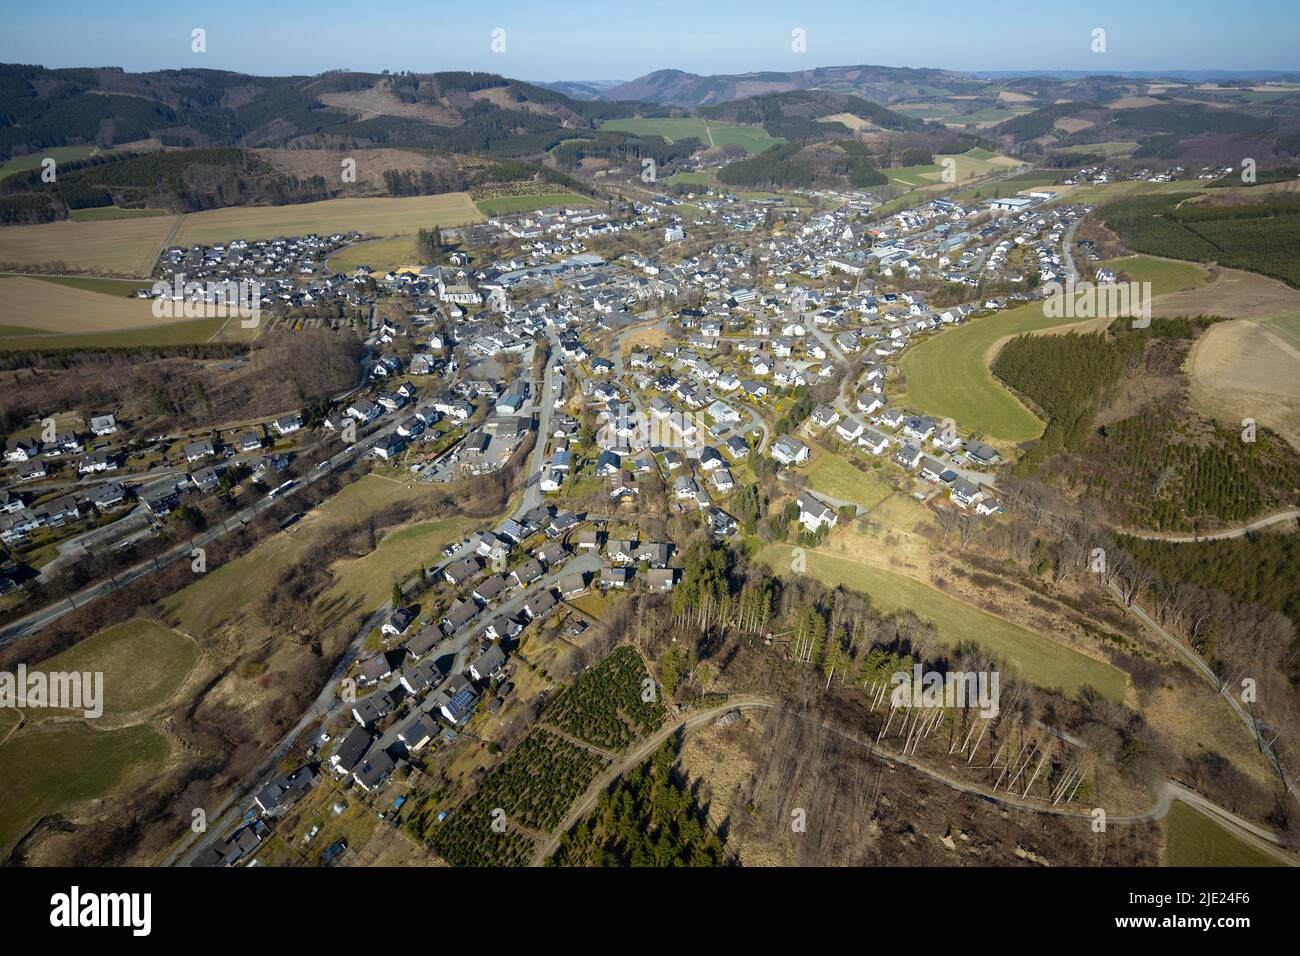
(699, 178)
(1193, 839)
(142, 662)
(125, 247)
(506, 205)
(60, 154)
(382, 255)
(366, 582)
(186, 332)
(1106, 149)
(1165, 275)
(378, 217)
(222, 592)
(1037, 659)
(128, 247)
(52, 768)
(753, 139)
(948, 374)
(832, 476)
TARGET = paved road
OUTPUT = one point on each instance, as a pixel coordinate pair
(35, 621)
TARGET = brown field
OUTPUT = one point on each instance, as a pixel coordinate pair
(854, 123)
(380, 101)
(1073, 125)
(1006, 96)
(371, 164)
(380, 217)
(125, 247)
(1231, 293)
(1133, 102)
(51, 307)
(1247, 368)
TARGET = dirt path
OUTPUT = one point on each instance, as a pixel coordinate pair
(1237, 532)
(1166, 793)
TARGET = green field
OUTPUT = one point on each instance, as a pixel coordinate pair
(1165, 275)
(832, 476)
(189, 332)
(948, 374)
(753, 139)
(382, 255)
(142, 662)
(119, 288)
(60, 154)
(100, 213)
(700, 178)
(506, 205)
(52, 768)
(224, 591)
(1038, 659)
(1286, 327)
(1106, 149)
(1193, 839)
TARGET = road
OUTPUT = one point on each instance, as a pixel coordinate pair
(326, 707)
(35, 621)
(1166, 792)
(1198, 664)
(1242, 531)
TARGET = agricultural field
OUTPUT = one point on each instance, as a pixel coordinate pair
(378, 217)
(1036, 658)
(142, 662)
(54, 767)
(832, 476)
(971, 164)
(535, 786)
(604, 706)
(56, 307)
(753, 139)
(947, 114)
(948, 374)
(1194, 839)
(1248, 368)
(60, 154)
(506, 205)
(122, 247)
(181, 332)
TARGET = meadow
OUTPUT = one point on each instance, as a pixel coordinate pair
(948, 376)
(1036, 658)
(1194, 839)
(753, 139)
(143, 664)
(52, 768)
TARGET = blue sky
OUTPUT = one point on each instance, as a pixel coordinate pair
(616, 39)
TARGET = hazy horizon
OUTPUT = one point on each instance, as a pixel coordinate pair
(595, 42)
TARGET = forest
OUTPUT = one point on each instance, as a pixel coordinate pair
(647, 818)
(1260, 235)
